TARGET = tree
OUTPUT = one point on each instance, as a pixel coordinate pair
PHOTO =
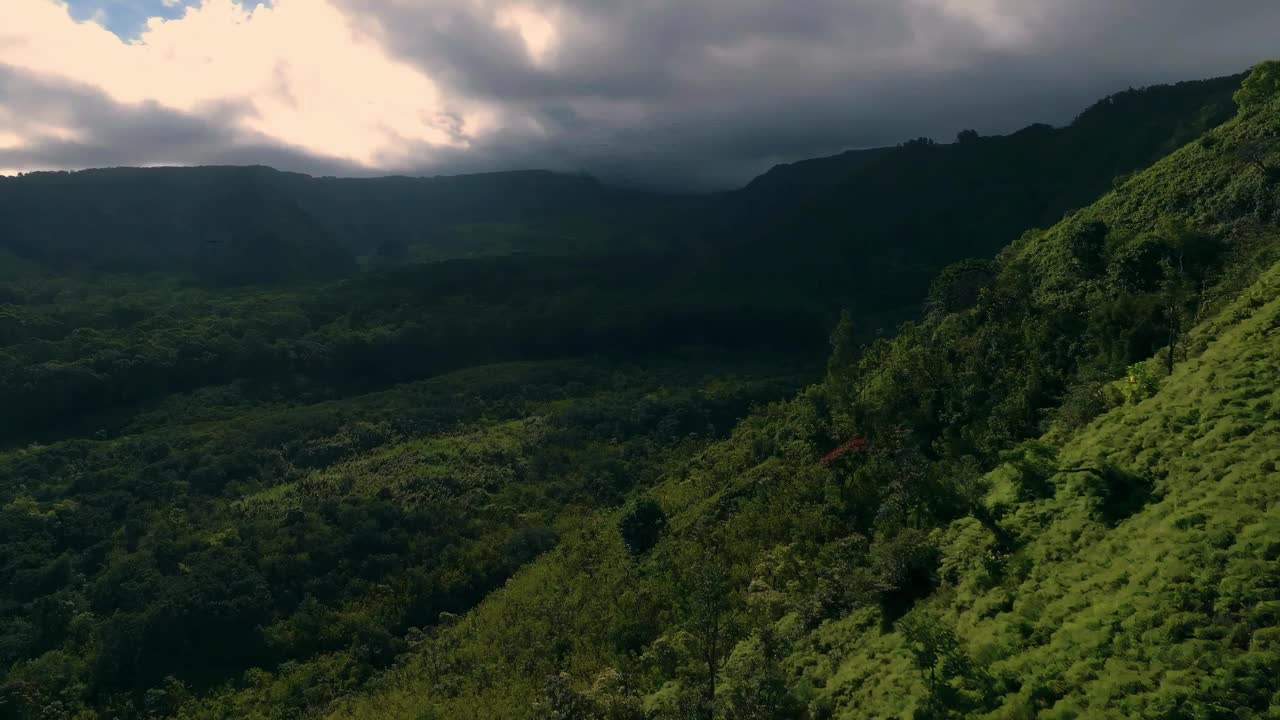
(1087, 243)
(705, 602)
(968, 136)
(561, 701)
(757, 685)
(920, 142)
(614, 698)
(844, 349)
(1191, 256)
(641, 526)
(1257, 153)
(1175, 294)
(968, 489)
(956, 687)
(935, 652)
(957, 287)
(1137, 266)
(167, 698)
(903, 568)
(1262, 84)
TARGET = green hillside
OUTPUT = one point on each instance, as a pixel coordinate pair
(511, 475)
(1164, 602)
(1039, 523)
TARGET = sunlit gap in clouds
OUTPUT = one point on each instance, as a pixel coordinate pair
(536, 29)
(294, 71)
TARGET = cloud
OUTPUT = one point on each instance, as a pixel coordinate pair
(706, 92)
(689, 93)
(61, 125)
(292, 70)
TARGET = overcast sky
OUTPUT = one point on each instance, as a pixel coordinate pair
(677, 93)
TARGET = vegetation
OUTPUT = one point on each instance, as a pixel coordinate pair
(884, 223)
(518, 486)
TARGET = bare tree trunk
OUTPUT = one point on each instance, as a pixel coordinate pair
(713, 656)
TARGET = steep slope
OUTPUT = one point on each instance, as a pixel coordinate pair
(1160, 599)
(875, 236)
(1159, 603)
(897, 542)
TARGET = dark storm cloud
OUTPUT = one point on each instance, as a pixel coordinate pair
(703, 93)
(110, 134)
(707, 92)
(616, 50)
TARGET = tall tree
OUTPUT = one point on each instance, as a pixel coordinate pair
(1262, 85)
(705, 599)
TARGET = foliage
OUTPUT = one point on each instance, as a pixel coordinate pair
(876, 227)
(641, 526)
(526, 486)
(955, 687)
(976, 559)
(1139, 382)
(1262, 85)
(959, 285)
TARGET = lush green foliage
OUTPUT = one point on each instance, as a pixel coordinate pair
(77, 352)
(1262, 85)
(197, 548)
(1120, 566)
(515, 486)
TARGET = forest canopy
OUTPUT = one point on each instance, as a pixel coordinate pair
(993, 434)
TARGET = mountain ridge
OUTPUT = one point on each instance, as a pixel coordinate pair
(820, 199)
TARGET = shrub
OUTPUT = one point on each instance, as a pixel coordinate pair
(1139, 383)
(1262, 84)
(641, 526)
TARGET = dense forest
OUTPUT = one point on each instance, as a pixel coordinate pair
(977, 429)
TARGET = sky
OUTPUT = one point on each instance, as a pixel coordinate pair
(685, 94)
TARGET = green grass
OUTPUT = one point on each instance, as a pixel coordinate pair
(1167, 614)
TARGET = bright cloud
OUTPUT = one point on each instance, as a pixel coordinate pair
(297, 70)
(9, 140)
(537, 30)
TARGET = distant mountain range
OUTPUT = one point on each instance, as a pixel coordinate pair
(817, 222)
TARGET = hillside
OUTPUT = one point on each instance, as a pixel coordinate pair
(518, 476)
(1148, 589)
(1159, 603)
(877, 235)
(1022, 516)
